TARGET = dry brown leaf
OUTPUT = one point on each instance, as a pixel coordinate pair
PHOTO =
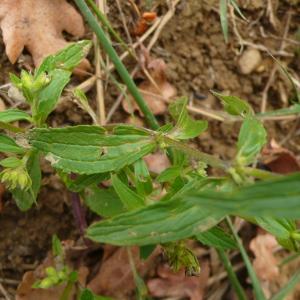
(25, 290)
(279, 159)
(158, 95)
(265, 263)
(38, 26)
(178, 285)
(115, 277)
(157, 162)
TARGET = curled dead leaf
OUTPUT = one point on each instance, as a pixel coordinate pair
(38, 26)
(156, 90)
(279, 159)
(115, 277)
(265, 263)
(157, 162)
(25, 290)
(178, 285)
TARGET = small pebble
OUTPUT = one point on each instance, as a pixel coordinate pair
(249, 61)
(2, 105)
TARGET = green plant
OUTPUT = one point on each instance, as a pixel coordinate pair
(223, 7)
(191, 203)
(61, 274)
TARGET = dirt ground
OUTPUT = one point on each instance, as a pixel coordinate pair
(198, 61)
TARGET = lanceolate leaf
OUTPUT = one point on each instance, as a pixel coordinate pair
(234, 105)
(193, 213)
(129, 198)
(186, 127)
(169, 174)
(66, 59)
(8, 145)
(223, 18)
(49, 96)
(217, 238)
(252, 138)
(103, 202)
(272, 198)
(12, 115)
(161, 222)
(292, 110)
(82, 181)
(89, 149)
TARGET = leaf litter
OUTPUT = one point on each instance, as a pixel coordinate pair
(156, 90)
(178, 285)
(38, 26)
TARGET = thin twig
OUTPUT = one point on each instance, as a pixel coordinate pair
(9, 281)
(225, 117)
(260, 47)
(4, 292)
(218, 277)
(123, 18)
(121, 69)
(275, 66)
(165, 19)
(120, 98)
(89, 83)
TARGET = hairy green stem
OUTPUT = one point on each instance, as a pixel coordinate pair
(260, 174)
(106, 44)
(66, 292)
(231, 275)
(204, 157)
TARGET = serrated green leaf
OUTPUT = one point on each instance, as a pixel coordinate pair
(252, 138)
(186, 127)
(129, 198)
(217, 238)
(8, 145)
(234, 105)
(49, 95)
(25, 198)
(103, 202)
(90, 149)
(12, 115)
(66, 59)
